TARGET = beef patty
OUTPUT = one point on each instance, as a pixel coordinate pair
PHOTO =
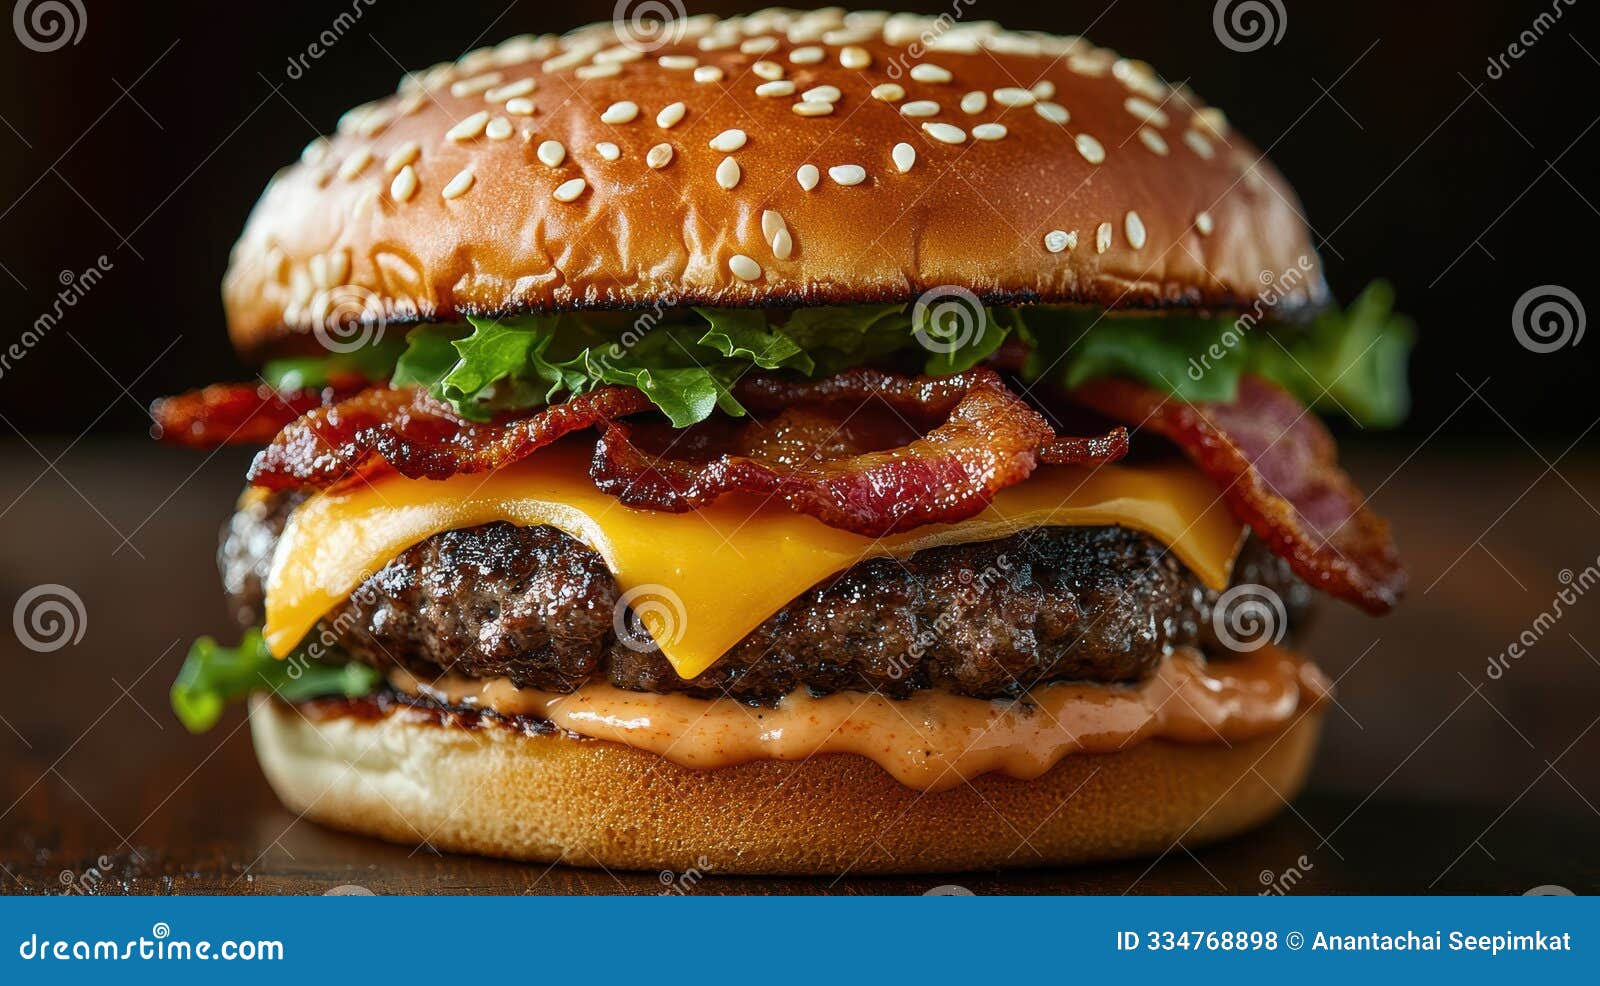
(988, 619)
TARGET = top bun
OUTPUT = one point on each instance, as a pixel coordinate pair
(896, 154)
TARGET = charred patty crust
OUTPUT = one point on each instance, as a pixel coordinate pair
(988, 619)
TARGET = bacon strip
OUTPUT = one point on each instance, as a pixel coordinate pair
(1279, 471)
(848, 450)
(240, 413)
(406, 430)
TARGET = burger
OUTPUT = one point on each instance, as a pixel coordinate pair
(791, 443)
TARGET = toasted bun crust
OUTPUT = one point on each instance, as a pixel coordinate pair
(1107, 186)
(498, 791)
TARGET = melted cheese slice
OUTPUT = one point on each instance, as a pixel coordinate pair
(700, 581)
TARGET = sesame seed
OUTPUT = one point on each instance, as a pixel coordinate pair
(500, 94)
(1204, 223)
(1146, 111)
(1058, 240)
(782, 244)
(621, 112)
(659, 156)
(758, 46)
(945, 133)
(809, 55)
(678, 63)
(989, 131)
(889, 92)
(848, 174)
(853, 57)
(1134, 227)
(476, 84)
(1090, 148)
(520, 106)
(822, 94)
(1102, 238)
(904, 156)
(728, 140)
(808, 108)
(920, 107)
(808, 176)
(402, 156)
(744, 268)
(569, 190)
(469, 128)
(771, 224)
(768, 70)
(355, 164)
(1013, 96)
(974, 102)
(1054, 112)
(498, 129)
(777, 87)
(926, 72)
(459, 184)
(618, 54)
(552, 153)
(1153, 140)
(708, 73)
(728, 173)
(1212, 119)
(602, 71)
(1198, 143)
(608, 150)
(1044, 89)
(670, 115)
(404, 185)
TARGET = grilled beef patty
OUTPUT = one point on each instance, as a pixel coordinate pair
(987, 619)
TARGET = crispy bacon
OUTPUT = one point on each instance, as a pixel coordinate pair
(1280, 474)
(240, 413)
(406, 430)
(849, 450)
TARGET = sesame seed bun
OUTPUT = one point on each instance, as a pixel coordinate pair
(498, 791)
(779, 159)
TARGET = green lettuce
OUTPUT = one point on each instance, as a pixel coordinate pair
(688, 362)
(213, 675)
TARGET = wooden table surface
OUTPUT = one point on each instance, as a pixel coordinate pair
(1435, 776)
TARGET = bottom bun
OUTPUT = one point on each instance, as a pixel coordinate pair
(499, 791)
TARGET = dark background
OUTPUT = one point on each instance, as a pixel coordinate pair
(147, 142)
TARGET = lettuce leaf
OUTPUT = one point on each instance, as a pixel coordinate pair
(214, 675)
(688, 362)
